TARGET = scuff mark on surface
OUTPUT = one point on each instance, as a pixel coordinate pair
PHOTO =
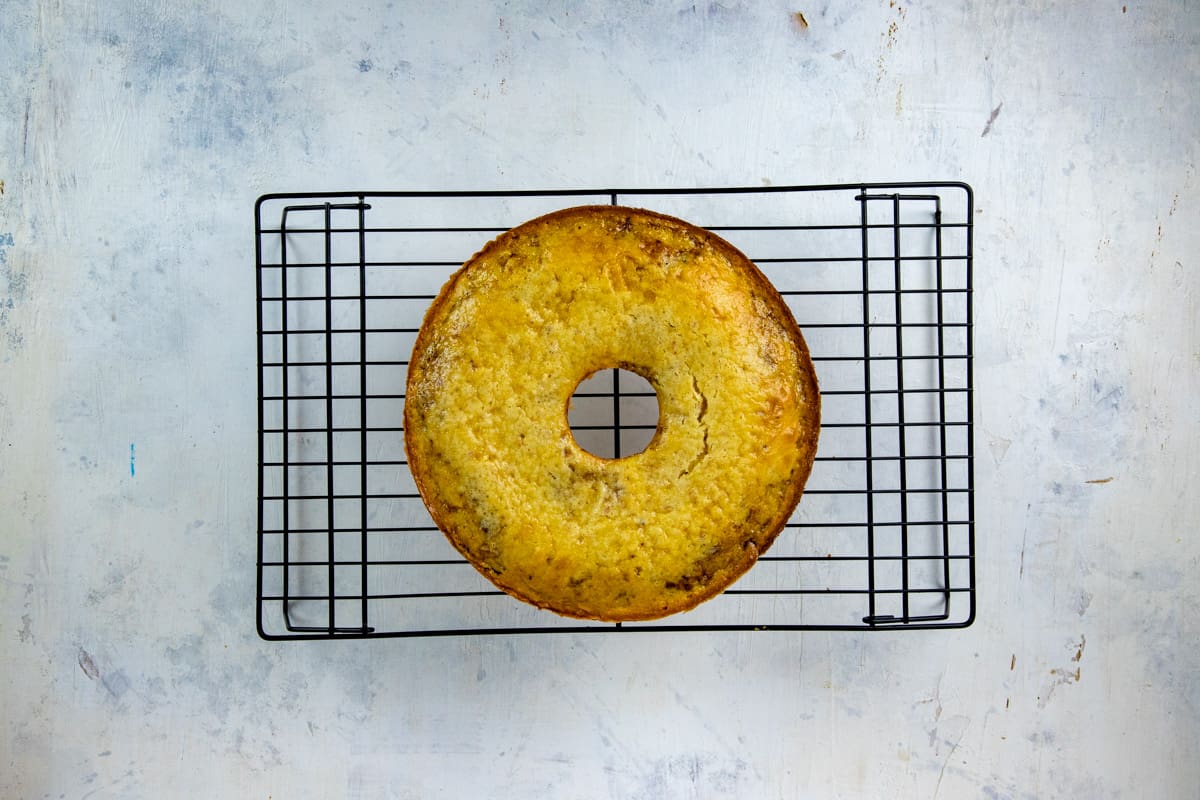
(936, 699)
(16, 285)
(25, 635)
(991, 120)
(25, 128)
(1024, 539)
(6, 241)
(999, 447)
(115, 581)
(966, 724)
(88, 665)
(1083, 602)
(116, 684)
(1065, 676)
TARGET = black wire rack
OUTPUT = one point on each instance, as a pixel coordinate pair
(879, 279)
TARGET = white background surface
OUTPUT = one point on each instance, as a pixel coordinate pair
(133, 141)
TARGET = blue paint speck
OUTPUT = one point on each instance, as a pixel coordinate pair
(132, 469)
(365, 65)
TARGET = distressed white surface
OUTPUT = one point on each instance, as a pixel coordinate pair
(134, 138)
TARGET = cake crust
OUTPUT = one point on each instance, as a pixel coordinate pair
(502, 349)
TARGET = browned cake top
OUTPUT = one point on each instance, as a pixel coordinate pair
(502, 350)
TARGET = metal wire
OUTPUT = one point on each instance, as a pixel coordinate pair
(879, 277)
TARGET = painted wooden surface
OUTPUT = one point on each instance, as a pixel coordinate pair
(134, 138)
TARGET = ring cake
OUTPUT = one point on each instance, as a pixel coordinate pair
(506, 343)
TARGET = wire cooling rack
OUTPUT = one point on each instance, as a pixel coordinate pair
(879, 279)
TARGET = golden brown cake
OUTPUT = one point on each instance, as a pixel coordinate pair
(504, 346)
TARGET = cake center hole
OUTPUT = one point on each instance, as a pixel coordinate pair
(614, 413)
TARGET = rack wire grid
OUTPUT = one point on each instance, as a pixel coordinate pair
(879, 279)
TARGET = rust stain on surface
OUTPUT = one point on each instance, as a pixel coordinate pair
(799, 20)
(1101, 480)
